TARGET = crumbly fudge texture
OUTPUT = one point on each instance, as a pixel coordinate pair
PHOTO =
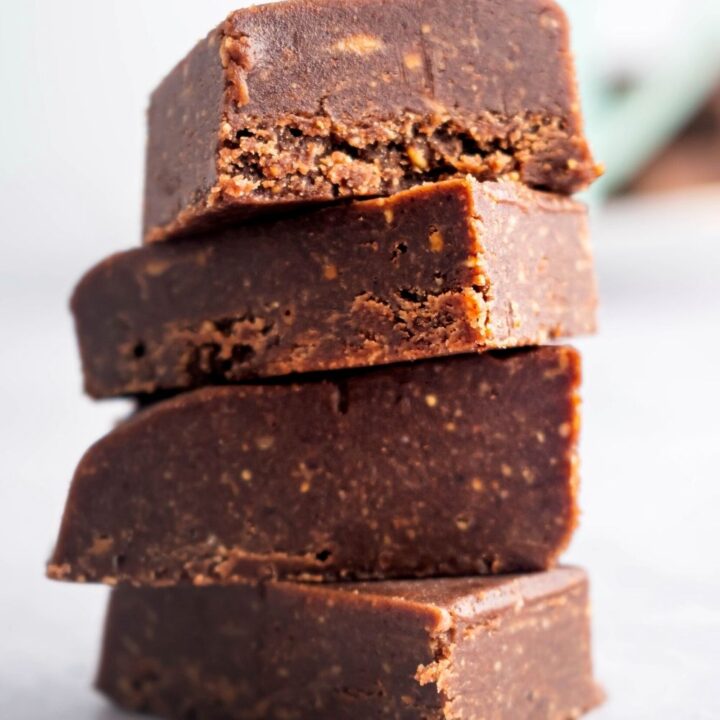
(460, 466)
(507, 648)
(441, 269)
(317, 100)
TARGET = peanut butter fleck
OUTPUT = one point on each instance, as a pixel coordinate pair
(330, 272)
(437, 241)
(265, 442)
(359, 44)
(156, 268)
(515, 312)
(413, 60)
(417, 158)
(431, 400)
(549, 21)
(101, 546)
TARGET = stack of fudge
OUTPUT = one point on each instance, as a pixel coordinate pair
(353, 464)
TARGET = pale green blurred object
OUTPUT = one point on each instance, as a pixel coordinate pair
(680, 71)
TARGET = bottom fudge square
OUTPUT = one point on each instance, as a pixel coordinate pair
(510, 648)
(460, 466)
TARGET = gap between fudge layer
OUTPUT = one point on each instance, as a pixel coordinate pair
(294, 158)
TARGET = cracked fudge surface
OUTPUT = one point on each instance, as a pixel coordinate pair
(442, 269)
(312, 101)
(446, 467)
(472, 648)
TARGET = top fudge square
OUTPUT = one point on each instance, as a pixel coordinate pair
(312, 101)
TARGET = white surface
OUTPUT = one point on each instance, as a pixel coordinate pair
(70, 181)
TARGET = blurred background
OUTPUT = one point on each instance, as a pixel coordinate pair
(74, 82)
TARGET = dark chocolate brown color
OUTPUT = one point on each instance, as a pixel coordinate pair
(450, 467)
(314, 100)
(512, 648)
(448, 268)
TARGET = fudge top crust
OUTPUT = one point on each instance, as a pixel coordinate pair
(350, 60)
(442, 602)
(436, 603)
(313, 101)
